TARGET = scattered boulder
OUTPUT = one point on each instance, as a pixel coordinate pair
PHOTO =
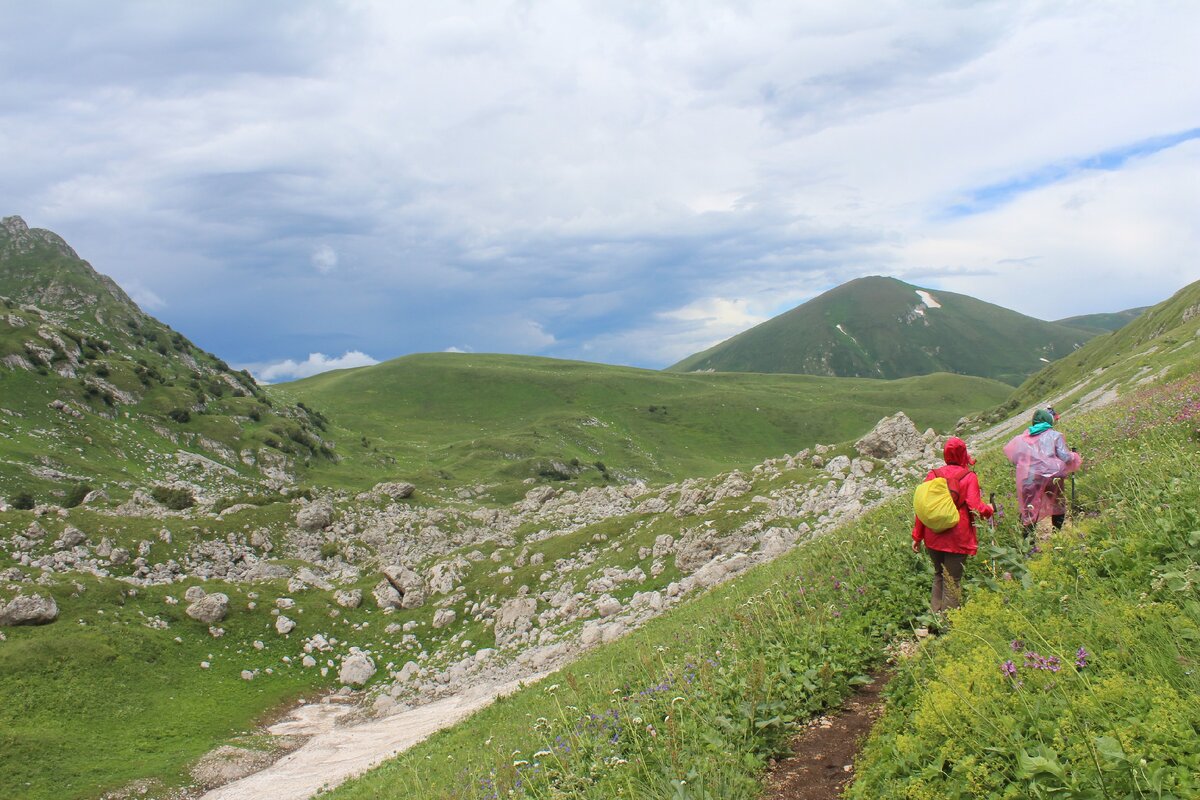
(394, 491)
(194, 593)
(29, 610)
(315, 516)
(445, 577)
(386, 595)
(284, 625)
(409, 585)
(444, 617)
(357, 668)
(348, 598)
(209, 609)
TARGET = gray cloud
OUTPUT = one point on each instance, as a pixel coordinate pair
(579, 179)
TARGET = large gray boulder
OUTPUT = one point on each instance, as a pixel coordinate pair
(315, 516)
(356, 669)
(893, 437)
(209, 609)
(514, 619)
(445, 577)
(29, 610)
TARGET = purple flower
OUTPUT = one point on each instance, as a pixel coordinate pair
(1009, 669)
(1017, 645)
(1081, 657)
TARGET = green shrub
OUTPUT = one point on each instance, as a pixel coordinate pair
(75, 495)
(22, 500)
(329, 549)
(180, 415)
(174, 499)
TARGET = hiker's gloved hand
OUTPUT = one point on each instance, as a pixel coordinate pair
(987, 511)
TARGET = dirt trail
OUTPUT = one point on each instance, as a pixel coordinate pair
(335, 752)
(817, 769)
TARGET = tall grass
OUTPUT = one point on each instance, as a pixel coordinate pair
(1079, 681)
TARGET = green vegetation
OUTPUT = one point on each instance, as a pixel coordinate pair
(1161, 344)
(1103, 323)
(487, 418)
(1078, 678)
(694, 703)
(869, 328)
(174, 499)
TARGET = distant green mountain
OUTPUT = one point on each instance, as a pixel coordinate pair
(494, 418)
(1103, 323)
(884, 328)
(93, 390)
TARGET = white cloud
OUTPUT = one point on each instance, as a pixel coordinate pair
(325, 259)
(673, 335)
(316, 363)
(453, 349)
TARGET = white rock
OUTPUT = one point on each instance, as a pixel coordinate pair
(284, 625)
(356, 669)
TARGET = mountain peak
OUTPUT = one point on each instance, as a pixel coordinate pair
(882, 327)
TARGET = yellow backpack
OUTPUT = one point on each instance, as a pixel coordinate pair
(935, 502)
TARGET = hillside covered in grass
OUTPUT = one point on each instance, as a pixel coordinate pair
(1035, 692)
(489, 418)
(1162, 343)
(881, 327)
(96, 393)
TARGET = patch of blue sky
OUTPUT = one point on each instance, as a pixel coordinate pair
(991, 196)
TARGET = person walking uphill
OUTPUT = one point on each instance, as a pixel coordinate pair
(1042, 458)
(948, 549)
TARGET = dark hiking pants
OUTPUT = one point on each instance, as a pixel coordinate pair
(947, 579)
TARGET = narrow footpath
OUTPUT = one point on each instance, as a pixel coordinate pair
(821, 763)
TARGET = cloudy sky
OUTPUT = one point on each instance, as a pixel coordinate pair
(299, 186)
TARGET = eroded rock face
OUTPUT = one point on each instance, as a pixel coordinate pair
(894, 436)
(210, 608)
(29, 610)
(227, 764)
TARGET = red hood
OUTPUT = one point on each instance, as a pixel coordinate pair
(956, 452)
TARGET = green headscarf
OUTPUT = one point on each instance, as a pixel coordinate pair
(1043, 420)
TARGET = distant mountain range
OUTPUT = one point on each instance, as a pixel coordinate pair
(879, 327)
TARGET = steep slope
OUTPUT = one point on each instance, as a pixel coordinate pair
(96, 392)
(884, 328)
(486, 418)
(1162, 343)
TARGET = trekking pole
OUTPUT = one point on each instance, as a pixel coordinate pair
(1074, 507)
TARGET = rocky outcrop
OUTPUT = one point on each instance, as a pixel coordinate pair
(893, 437)
(408, 585)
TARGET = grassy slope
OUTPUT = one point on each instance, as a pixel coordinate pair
(1103, 323)
(1163, 341)
(882, 340)
(693, 704)
(485, 418)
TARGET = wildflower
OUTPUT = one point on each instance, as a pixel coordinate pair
(1081, 657)
(1017, 645)
(1009, 668)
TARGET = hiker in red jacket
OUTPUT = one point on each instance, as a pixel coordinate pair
(949, 549)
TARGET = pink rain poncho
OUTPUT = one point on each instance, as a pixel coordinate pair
(1042, 460)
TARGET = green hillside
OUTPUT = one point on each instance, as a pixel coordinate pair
(1162, 342)
(1103, 323)
(884, 328)
(468, 418)
(95, 392)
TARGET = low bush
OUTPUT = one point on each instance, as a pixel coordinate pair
(75, 495)
(172, 498)
(22, 501)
